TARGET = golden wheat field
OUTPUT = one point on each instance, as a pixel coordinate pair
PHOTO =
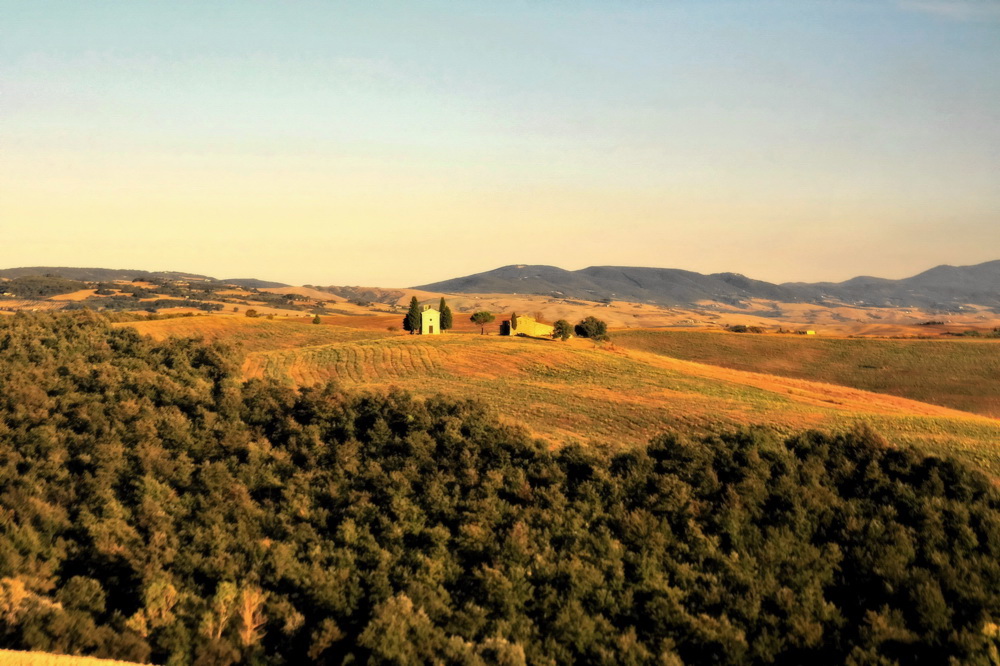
(581, 392)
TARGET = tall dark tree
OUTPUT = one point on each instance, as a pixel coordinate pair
(411, 322)
(446, 317)
(481, 319)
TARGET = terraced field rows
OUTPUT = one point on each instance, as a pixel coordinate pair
(358, 363)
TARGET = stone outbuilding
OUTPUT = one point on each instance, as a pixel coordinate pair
(528, 326)
(430, 321)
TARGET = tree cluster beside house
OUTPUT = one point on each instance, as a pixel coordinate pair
(426, 320)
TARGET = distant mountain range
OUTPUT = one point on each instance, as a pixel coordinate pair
(946, 288)
(110, 274)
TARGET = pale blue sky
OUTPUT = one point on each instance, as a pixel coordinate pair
(396, 143)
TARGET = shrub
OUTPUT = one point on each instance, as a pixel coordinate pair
(741, 328)
(592, 327)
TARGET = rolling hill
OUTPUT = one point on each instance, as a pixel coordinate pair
(150, 494)
(948, 288)
(579, 392)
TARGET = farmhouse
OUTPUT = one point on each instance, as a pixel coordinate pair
(430, 321)
(522, 325)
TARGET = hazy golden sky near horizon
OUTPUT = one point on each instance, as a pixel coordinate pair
(392, 143)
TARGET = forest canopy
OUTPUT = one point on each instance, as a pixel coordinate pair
(40, 286)
(154, 507)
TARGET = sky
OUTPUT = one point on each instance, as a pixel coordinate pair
(401, 143)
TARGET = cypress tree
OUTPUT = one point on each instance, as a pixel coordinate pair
(446, 318)
(411, 322)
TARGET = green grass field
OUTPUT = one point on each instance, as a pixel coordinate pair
(962, 374)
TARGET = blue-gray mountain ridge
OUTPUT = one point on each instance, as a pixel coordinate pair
(944, 288)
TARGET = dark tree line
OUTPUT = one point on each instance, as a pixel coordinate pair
(131, 304)
(153, 507)
(40, 286)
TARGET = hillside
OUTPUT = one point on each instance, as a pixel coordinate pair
(948, 288)
(150, 293)
(158, 509)
(45, 289)
(943, 288)
(962, 298)
(578, 392)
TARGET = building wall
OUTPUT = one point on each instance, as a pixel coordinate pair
(430, 322)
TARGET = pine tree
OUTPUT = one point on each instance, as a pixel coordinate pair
(446, 318)
(481, 319)
(411, 322)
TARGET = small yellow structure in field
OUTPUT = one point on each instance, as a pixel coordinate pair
(810, 332)
(522, 325)
(430, 321)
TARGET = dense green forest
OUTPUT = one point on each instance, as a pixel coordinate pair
(153, 507)
(40, 286)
